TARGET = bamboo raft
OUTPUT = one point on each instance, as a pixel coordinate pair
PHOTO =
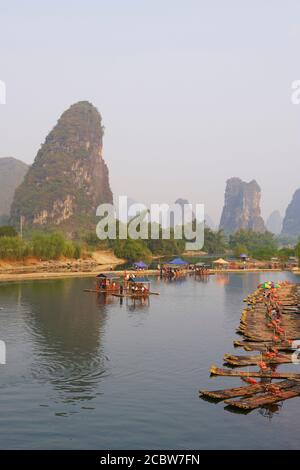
(116, 294)
(240, 361)
(255, 373)
(133, 287)
(269, 324)
(261, 346)
(258, 401)
(247, 391)
(99, 291)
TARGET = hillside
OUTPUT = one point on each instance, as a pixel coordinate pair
(69, 178)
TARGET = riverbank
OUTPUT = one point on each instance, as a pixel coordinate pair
(40, 275)
(99, 261)
(58, 275)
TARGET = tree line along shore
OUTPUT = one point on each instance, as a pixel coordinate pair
(52, 251)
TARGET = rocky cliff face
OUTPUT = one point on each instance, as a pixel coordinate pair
(12, 173)
(242, 207)
(274, 223)
(68, 178)
(291, 222)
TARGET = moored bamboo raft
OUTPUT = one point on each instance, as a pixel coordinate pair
(264, 399)
(262, 345)
(246, 391)
(256, 359)
(254, 373)
(98, 291)
(270, 323)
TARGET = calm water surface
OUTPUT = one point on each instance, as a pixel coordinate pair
(84, 373)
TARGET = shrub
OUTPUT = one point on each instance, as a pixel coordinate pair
(132, 250)
(258, 245)
(8, 231)
(297, 251)
(52, 246)
(13, 248)
(77, 251)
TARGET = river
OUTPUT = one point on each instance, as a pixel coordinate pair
(83, 372)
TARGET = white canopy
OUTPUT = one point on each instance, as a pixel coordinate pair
(220, 261)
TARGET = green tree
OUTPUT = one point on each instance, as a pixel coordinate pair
(8, 231)
(13, 248)
(132, 250)
(54, 245)
(239, 250)
(164, 246)
(258, 245)
(214, 242)
(284, 253)
(297, 251)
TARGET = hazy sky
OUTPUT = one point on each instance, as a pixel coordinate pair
(191, 92)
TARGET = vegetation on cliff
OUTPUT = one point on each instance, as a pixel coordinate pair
(69, 178)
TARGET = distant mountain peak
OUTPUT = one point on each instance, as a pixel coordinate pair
(274, 222)
(291, 222)
(242, 207)
(69, 178)
(12, 172)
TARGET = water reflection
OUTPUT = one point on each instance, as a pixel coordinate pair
(107, 299)
(174, 280)
(66, 327)
(133, 304)
(268, 411)
(242, 282)
(271, 410)
(222, 279)
(203, 278)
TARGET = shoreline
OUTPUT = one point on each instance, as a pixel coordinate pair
(15, 277)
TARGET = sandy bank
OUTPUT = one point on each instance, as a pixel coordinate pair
(35, 269)
(8, 277)
(58, 275)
